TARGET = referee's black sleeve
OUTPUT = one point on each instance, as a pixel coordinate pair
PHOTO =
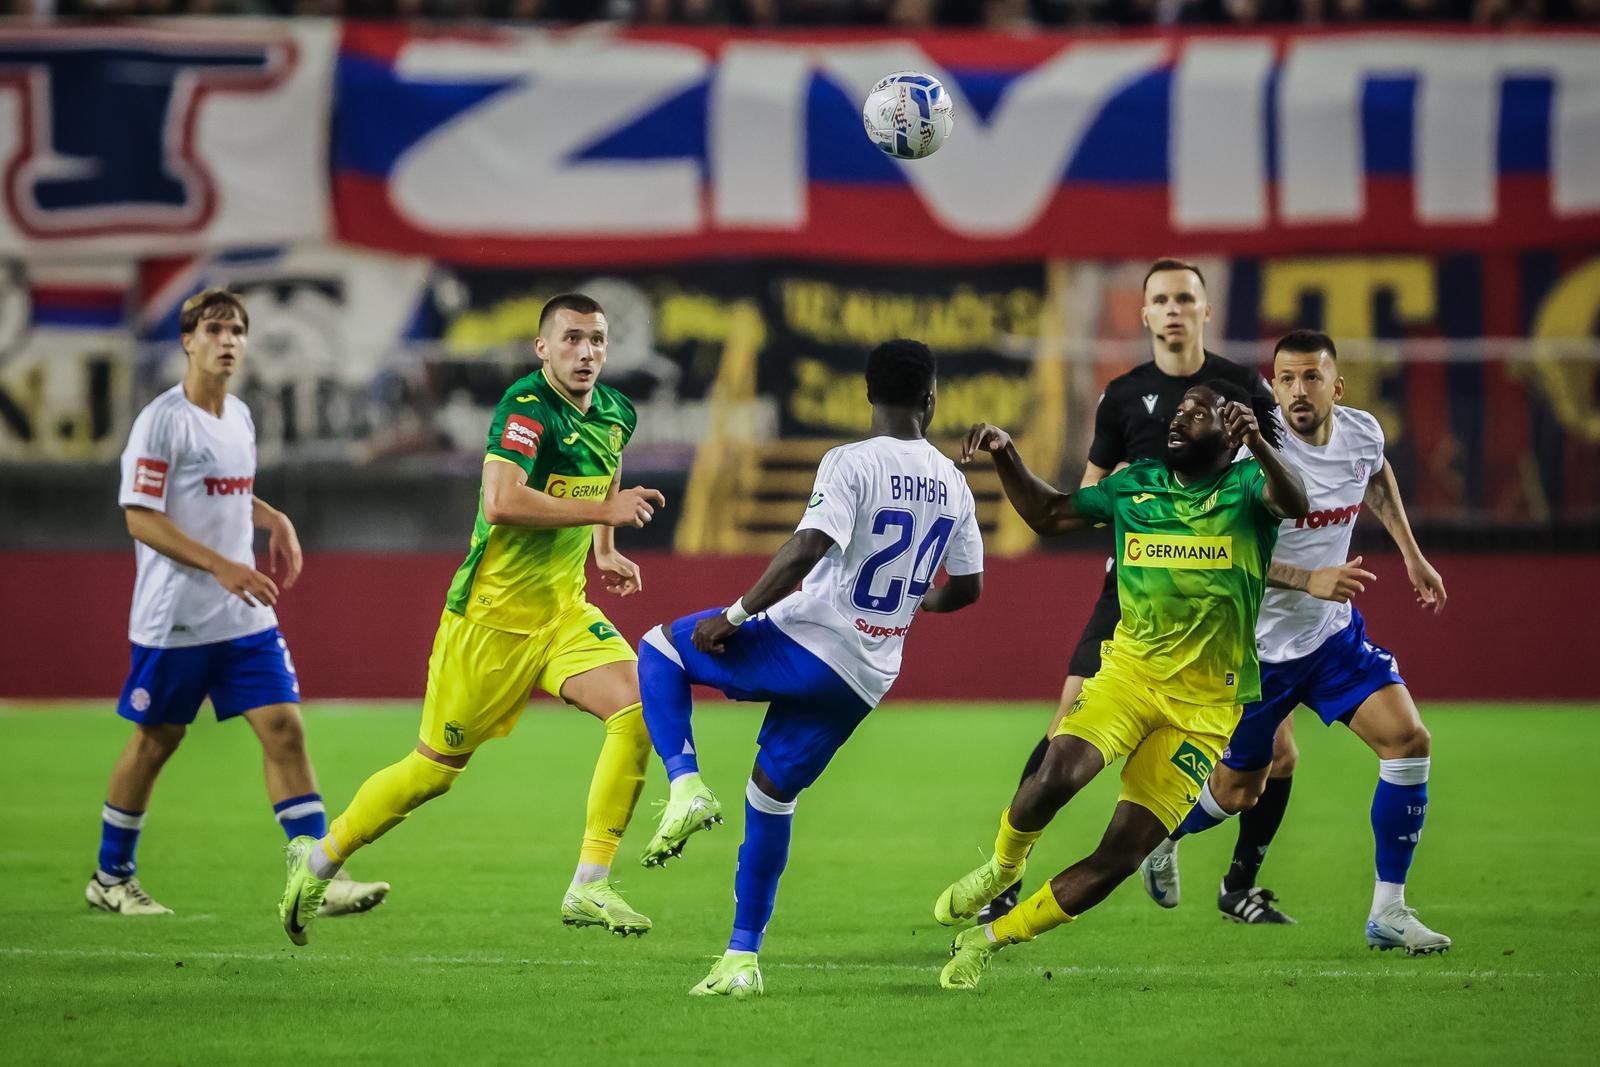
(1110, 444)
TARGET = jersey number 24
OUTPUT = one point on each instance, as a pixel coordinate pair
(888, 562)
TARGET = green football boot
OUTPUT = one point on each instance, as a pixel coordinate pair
(302, 894)
(735, 974)
(970, 954)
(598, 903)
(692, 807)
(961, 900)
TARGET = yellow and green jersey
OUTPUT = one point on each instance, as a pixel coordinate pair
(516, 578)
(1191, 569)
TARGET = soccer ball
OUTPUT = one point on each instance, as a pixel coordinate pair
(908, 114)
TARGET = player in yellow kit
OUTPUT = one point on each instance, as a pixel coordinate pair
(516, 617)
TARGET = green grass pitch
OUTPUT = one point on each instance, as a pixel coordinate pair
(467, 961)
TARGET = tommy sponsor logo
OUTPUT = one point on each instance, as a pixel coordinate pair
(1328, 517)
(874, 630)
(1177, 552)
(150, 477)
(522, 435)
(229, 486)
(571, 487)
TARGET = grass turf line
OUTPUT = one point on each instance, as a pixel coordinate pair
(469, 954)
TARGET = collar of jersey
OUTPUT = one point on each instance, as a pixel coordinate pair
(556, 389)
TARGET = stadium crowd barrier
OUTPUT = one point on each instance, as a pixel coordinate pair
(360, 624)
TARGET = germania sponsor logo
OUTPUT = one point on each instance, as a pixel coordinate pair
(522, 435)
(571, 487)
(150, 477)
(1177, 552)
(874, 630)
(1328, 517)
(229, 486)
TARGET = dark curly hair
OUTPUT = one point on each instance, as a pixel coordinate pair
(900, 373)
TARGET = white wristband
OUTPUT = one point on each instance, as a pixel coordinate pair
(736, 615)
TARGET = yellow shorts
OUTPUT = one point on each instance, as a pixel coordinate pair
(1171, 745)
(479, 678)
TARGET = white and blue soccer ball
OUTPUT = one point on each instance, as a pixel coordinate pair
(908, 114)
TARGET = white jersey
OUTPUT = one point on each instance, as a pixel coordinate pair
(896, 511)
(200, 470)
(1293, 624)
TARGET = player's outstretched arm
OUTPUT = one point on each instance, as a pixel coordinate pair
(283, 543)
(153, 528)
(1339, 583)
(508, 500)
(789, 565)
(619, 573)
(1284, 492)
(1383, 498)
(959, 591)
(1043, 507)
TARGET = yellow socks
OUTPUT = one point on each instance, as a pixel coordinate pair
(386, 798)
(1012, 846)
(1029, 919)
(614, 790)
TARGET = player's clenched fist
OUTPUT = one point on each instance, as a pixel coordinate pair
(633, 507)
(983, 437)
(246, 583)
(1239, 423)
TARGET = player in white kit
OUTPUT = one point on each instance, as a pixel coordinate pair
(1314, 649)
(202, 622)
(884, 515)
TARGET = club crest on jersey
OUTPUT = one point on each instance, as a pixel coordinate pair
(1150, 402)
(1361, 470)
(615, 438)
(83, 170)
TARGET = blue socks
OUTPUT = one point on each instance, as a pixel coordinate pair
(302, 816)
(1203, 816)
(119, 837)
(1399, 805)
(664, 690)
(762, 857)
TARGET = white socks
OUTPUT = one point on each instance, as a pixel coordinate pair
(321, 863)
(1386, 895)
(590, 872)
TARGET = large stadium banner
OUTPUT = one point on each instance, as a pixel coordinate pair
(168, 137)
(604, 145)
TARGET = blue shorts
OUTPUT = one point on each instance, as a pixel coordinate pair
(166, 685)
(812, 711)
(1333, 681)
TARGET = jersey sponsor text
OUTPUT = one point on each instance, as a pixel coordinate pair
(1177, 552)
(522, 435)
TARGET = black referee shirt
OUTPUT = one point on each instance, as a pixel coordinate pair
(1137, 408)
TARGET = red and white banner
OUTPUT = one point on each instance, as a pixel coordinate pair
(166, 138)
(601, 145)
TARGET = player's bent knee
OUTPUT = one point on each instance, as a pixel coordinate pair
(158, 742)
(427, 779)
